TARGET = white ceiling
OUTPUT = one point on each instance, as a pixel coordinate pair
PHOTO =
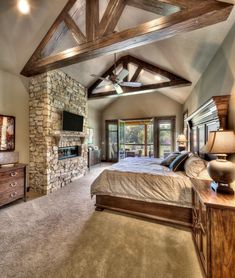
(186, 54)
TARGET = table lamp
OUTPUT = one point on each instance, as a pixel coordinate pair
(181, 140)
(222, 171)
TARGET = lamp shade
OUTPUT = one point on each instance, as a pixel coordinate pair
(221, 142)
(181, 138)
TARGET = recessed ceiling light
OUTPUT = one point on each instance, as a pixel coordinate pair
(158, 77)
(23, 6)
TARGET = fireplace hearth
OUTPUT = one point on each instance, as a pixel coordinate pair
(69, 152)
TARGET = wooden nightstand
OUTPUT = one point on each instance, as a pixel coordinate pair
(12, 183)
(214, 230)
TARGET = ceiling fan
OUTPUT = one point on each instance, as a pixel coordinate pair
(116, 80)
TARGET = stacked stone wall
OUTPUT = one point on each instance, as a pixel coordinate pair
(50, 94)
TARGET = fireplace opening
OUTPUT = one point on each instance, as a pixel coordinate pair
(69, 152)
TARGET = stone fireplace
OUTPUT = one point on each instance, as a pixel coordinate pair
(56, 157)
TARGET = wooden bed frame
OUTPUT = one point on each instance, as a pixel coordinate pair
(199, 123)
(167, 213)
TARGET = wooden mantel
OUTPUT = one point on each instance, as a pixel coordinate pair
(101, 39)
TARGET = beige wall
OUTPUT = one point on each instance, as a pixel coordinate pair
(14, 102)
(94, 121)
(218, 79)
(142, 106)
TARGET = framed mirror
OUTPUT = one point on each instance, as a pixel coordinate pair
(7, 133)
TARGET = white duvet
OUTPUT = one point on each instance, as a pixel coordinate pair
(144, 179)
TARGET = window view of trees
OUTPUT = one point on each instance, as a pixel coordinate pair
(139, 139)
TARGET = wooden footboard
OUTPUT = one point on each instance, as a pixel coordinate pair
(167, 213)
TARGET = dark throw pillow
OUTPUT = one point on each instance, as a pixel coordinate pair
(178, 163)
(168, 160)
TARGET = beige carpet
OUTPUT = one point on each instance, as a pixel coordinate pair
(62, 236)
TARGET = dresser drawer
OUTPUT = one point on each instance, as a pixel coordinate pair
(10, 175)
(11, 184)
(11, 195)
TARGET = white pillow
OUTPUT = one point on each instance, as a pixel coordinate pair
(194, 165)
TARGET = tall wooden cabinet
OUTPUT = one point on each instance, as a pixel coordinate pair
(214, 230)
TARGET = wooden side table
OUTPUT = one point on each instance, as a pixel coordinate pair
(214, 230)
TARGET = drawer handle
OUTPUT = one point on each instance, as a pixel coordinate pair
(13, 174)
(13, 184)
(13, 194)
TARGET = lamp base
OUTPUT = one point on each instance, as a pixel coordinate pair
(222, 188)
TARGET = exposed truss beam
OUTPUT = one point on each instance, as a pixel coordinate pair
(174, 80)
(197, 14)
(38, 52)
(144, 88)
(154, 6)
(77, 33)
(136, 74)
(92, 19)
(111, 16)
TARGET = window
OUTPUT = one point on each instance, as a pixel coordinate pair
(139, 137)
(164, 136)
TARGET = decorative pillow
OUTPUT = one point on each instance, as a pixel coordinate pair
(194, 165)
(178, 163)
(167, 161)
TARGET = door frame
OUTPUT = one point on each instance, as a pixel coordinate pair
(107, 122)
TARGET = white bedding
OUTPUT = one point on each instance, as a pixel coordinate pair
(144, 179)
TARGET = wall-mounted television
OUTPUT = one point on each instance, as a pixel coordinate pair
(72, 122)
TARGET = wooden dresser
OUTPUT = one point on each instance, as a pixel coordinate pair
(12, 183)
(214, 230)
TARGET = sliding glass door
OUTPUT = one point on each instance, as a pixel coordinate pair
(115, 140)
(145, 137)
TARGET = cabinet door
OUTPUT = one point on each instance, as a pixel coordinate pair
(199, 229)
(203, 234)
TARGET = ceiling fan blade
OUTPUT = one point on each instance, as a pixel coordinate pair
(100, 77)
(106, 87)
(122, 74)
(131, 84)
(118, 88)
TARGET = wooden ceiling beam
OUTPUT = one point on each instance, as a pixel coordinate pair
(174, 80)
(111, 16)
(125, 66)
(72, 26)
(203, 14)
(154, 6)
(38, 52)
(136, 74)
(144, 88)
(92, 19)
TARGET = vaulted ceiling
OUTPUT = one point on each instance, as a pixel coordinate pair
(186, 54)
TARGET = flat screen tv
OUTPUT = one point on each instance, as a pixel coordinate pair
(72, 122)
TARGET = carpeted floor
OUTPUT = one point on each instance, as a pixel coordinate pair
(61, 235)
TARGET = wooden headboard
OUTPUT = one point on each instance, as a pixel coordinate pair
(209, 117)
